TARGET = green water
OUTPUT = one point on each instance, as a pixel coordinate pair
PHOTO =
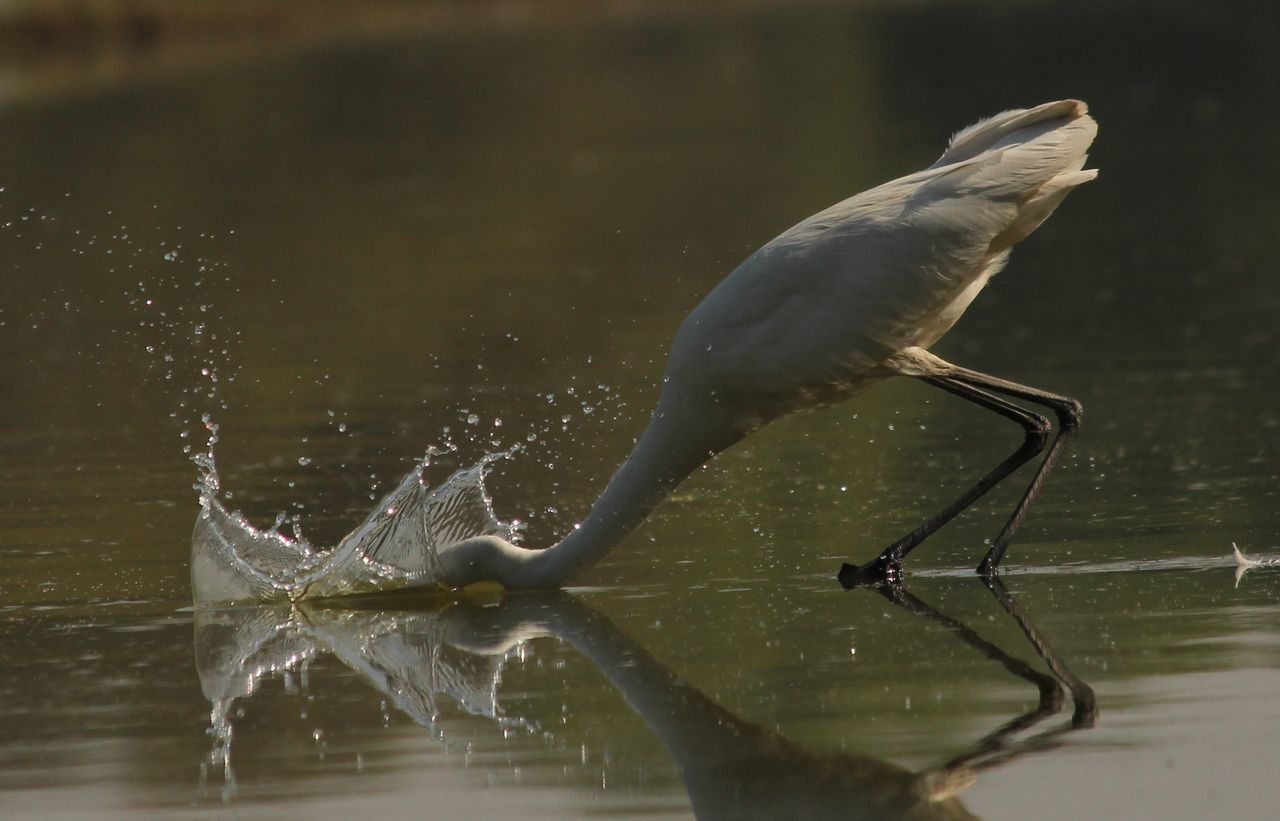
(398, 238)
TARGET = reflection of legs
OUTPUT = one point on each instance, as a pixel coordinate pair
(1086, 704)
(999, 746)
(1036, 428)
(1050, 689)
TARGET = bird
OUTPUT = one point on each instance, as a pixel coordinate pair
(849, 297)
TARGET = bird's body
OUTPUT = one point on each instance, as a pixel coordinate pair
(852, 295)
(825, 306)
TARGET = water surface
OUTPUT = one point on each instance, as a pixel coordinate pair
(474, 238)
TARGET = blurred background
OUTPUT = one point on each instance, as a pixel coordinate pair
(348, 232)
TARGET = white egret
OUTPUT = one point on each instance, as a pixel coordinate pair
(850, 296)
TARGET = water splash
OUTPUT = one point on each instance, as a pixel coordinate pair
(396, 546)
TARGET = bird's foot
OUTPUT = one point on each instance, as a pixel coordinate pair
(988, 570)
(882, 570)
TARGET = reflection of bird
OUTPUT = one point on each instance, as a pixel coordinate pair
(420, 659)
(733, 768)
(849, 296)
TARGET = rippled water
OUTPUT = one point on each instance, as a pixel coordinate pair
(459, 243)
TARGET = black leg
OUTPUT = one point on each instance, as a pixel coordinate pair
(1069, 413)
(888, 565)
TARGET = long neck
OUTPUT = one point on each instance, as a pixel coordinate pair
(680, 437)
(675, 443)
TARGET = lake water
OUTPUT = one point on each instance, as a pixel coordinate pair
(349, 254)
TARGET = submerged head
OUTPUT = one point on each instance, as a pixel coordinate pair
(493, 559)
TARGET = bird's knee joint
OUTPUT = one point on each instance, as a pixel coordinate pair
(1038, 429)
(1070, 415)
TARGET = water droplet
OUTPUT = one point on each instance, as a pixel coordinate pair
(304, 460)
(473, 418)
(170, 256)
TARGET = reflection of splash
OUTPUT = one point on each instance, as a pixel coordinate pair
(404, 655)
(235, 650)
(396, 546)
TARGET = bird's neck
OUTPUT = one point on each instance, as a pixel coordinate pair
(680, 437)
(675, 444)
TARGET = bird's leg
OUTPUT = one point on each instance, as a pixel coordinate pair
(1069, 413)
(888, 565)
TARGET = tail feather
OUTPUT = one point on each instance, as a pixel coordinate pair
(1037, 208)
(985, 135)
(1029, 159)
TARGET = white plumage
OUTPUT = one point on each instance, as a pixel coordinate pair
(853, 294)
